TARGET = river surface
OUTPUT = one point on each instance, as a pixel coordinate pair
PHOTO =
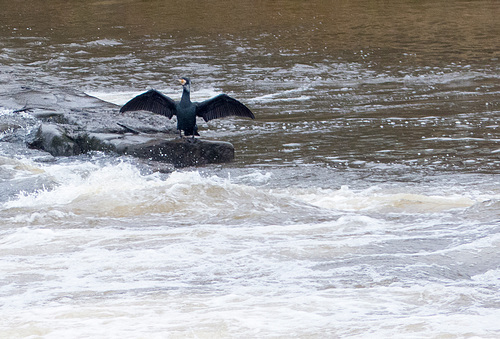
(364, 200)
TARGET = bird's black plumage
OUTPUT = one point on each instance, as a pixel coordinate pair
(152, 101)
(186, 111)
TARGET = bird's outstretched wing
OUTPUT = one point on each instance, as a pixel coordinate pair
(152, 101)
(222, 106)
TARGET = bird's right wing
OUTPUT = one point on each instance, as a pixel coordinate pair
(152, 101)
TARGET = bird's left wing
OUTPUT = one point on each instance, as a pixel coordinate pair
(222, 106)
(152, 101)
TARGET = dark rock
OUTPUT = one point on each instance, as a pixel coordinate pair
(54, 139)
(8, 126)
(181, 152)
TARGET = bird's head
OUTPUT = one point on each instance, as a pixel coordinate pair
(186, 83)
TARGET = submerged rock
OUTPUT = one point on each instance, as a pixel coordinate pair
(72, 123)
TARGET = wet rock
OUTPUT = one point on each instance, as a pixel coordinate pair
(55, 140)
(72, 123)
(8, 126)
(82, 112)
(181, 152)
(51, 117)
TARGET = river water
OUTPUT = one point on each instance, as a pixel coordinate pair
(363, 201)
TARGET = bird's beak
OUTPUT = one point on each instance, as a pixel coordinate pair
(182, 81)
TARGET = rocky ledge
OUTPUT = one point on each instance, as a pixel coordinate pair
(180, 152)
(66, 122)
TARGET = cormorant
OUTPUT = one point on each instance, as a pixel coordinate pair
(186, 111)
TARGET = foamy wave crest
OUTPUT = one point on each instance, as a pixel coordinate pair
(120, 190)
(284, 95)
(18, 168)
(384, 201)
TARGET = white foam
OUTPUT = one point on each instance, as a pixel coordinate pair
(105, 42)
(4, 110)
(120, 190)
(373, 199)
(112, 250)
(284, 95)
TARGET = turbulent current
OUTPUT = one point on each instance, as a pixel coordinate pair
(363, 201)
(100, 245)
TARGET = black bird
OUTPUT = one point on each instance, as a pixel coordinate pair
(186, 111)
